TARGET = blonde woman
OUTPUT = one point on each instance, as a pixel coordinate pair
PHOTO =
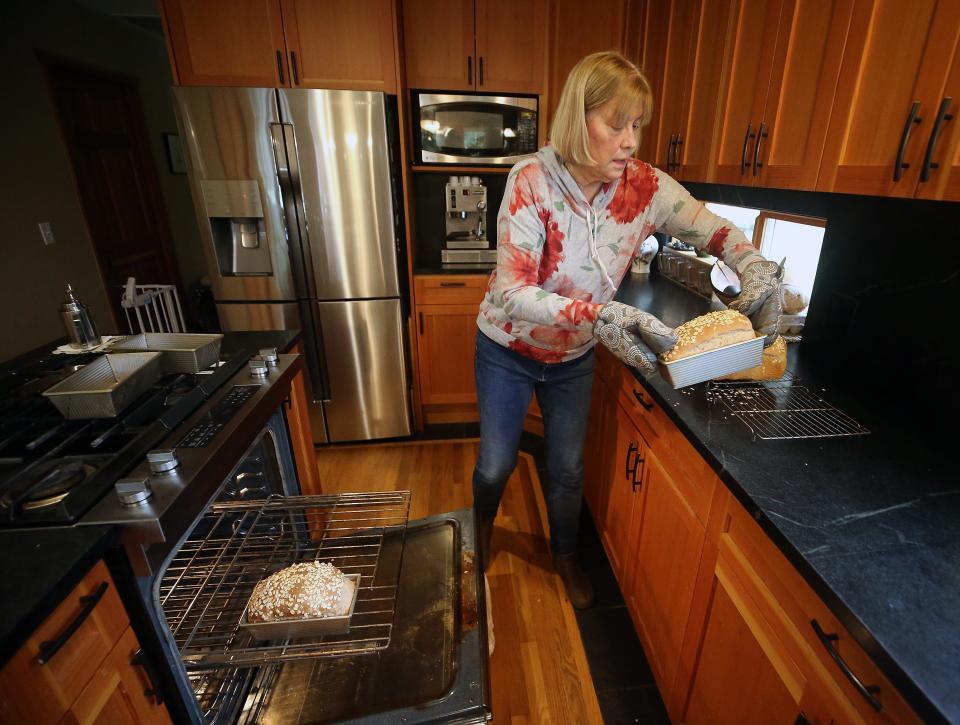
(570, 223)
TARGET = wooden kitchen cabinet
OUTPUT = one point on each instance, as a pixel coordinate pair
(626, 471)
(91, 678)
(601, 435)
(291, 43)
(475, 45)
(896, 61)
(301, 433)
(940, 172)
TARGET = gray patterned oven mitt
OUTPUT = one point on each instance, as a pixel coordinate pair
(634, 336)
(761, 297)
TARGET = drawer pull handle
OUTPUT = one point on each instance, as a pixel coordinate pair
(828, 640)
(140, 660)
(453, 284)
(644, 403)
(50, 647)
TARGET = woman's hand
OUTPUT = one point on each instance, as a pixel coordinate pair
(634, 336)
(761, 297)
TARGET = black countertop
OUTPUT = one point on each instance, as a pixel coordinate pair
(872, 522)
(39, 567)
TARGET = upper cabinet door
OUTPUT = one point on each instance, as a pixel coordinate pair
(802, 86)
(895, 63)
(511, 37)
(226, 42)
(341, 45)
(439, 44)
(753, 39)
(698, 136)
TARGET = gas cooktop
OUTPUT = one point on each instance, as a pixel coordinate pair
(52, 470)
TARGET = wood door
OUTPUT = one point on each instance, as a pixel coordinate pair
(663, 570)
(439, 44)
(668, 33)
(743, 674)
(226, 42)
(596, 448)
(626, 469)
(941, 157)
(894, 66)
(802, 85)
(705, 78)
(753, 39)
(106, 137)
(511, 45)
(445, 348)
(578, 29)
(348, 45)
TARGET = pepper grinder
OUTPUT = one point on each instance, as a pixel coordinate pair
(79, 323)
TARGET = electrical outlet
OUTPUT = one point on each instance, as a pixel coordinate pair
(46, 233)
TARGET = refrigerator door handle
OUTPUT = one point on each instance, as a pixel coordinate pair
(289, 188)
(313, 352)
(293, 167)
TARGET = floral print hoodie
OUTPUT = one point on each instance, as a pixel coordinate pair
(560, 258)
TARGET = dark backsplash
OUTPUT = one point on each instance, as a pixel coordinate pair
(887, 283)
(430, 206)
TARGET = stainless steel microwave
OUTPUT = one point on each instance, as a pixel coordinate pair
(473, 129)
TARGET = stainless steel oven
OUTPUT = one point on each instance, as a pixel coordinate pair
(473, 129)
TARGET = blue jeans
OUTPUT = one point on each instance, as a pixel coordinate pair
(506, 381)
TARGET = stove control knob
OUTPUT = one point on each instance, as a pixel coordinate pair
(162, 460)
(133, 491)
(269, 355)
(258, 368)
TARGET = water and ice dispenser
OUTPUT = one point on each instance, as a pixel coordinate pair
(235, 213)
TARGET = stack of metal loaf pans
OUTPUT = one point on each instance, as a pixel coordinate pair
(105, 387)
(180, 352)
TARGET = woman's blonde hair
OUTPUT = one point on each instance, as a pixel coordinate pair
(595, 80)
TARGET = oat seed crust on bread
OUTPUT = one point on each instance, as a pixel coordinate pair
(708, 332)
(301, 591)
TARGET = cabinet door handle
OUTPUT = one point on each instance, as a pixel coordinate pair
(743, 151)
(421, 322)
(280, 67)
(912, 118)
(673, 139)
(644, 403)
(293, 68)
(801, 720)
(633, 475)
(631, 448)
(453, 284)
(51, 646)
(676, 152)
(827, 640)
(140, 660)
(761, 134)
(481, 70)
(942, 115)
(469, 70)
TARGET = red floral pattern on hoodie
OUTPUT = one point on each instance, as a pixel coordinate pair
(559, 258)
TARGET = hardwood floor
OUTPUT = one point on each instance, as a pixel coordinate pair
(539, 671)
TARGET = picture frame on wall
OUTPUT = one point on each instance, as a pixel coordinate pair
(175, 158)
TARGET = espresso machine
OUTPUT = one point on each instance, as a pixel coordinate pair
(466, 223)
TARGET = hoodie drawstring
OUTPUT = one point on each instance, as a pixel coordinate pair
(594, 254)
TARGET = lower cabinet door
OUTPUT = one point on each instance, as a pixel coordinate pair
(447, 341)
(662, 570)
(626, 470)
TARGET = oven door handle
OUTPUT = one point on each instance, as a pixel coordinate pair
(50, 647)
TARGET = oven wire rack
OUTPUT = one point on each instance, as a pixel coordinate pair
(782, 410)
(204, 590)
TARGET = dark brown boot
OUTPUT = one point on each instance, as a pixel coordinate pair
(575, 581)
(484, 534)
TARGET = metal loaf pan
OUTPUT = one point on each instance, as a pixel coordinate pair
(182, 352)
(713, 363)
(300, 628)
(106, 386)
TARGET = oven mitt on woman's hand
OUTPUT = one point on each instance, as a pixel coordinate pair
(761, 297)
(634, 336)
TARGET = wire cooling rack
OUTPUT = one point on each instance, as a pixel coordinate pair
(205, 589)
(783, 410)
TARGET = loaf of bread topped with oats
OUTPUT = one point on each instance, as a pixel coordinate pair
(708, 332)
(302, 591)
(773, 367)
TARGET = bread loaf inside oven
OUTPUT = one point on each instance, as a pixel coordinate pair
(301, 591)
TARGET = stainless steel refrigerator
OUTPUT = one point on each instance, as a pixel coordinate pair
(295, 195)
